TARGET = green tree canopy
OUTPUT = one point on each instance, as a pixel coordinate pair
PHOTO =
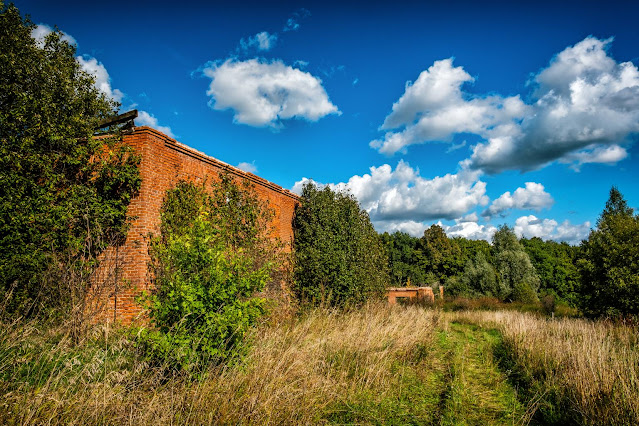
(63, 192)
(339, 257)
(403, 254)
(518, 279)
(555, 264)
(441, 256)
(609, 266)
(479, 277)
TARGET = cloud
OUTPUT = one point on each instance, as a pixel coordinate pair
(247, 167)
(597, 154)
(263, 93)
(455, 147)
(292, 23)
(470, 230)
(532, 197)
(584, 108)
(261, 41)
(41, 31)
(415, 229)
(434, 108)
(102, 78)
(403, 195)
(146, 119)
(548, 229)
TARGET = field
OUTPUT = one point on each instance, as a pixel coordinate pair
(374, 365)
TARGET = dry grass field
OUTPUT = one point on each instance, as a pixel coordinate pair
(373, 365)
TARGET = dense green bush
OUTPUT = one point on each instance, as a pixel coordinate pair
(209, 261)
(63, 192)
(339, 258)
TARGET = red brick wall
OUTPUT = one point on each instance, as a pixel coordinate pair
(164, 162)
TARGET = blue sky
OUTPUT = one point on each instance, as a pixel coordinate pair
(467, 114)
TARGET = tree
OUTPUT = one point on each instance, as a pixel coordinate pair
(63, 192)
(480, 277)
(402, 251)
(441, 256)
(339, 258)
(517, 277)
(212, 256)
(609, 265)
(555, 264)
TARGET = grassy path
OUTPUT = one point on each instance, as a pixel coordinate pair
(453, 381)
(477, 391)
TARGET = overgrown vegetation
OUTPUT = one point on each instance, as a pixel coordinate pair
(372, 365)
(63, 192)
(339, 258)
(212, 256)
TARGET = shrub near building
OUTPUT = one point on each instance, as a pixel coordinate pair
(212, 256)
(340, 259)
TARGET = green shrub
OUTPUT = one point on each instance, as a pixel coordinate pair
(212, 256)
(340, 259)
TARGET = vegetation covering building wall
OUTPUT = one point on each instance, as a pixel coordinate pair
(164, 163)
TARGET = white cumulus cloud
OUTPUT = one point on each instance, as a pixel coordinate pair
(146, 119)
(247, 167)
(41, 31)
(470, 230)
(102, 78)
(403, 195)
(584, 108)
(533, 197)
(548, 229)
(263, 93)
(434, 108)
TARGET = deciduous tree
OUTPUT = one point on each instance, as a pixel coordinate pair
(63, 192)
(339, 257)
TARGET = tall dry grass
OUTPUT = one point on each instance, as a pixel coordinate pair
(326, 365)
(294, 373)
(588, 370)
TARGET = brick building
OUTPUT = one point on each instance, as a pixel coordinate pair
(164, 162)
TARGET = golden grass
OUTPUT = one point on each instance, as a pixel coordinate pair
(293, 374)
(377, 364)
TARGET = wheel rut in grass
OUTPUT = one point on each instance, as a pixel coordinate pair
(454, 381)
(477, 391)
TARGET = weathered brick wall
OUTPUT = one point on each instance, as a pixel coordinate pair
(164, 162)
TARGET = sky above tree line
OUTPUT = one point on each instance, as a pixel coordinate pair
(465, 114)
